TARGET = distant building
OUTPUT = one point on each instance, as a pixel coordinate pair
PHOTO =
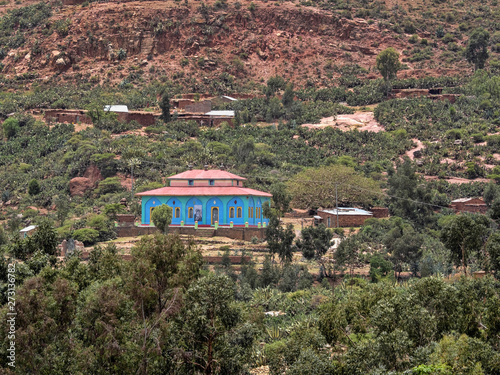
(28, 231)
(347, 217)
(116, 108)
(206, 197)
(469, 205)
(227, 99)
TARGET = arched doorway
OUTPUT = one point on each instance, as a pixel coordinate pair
(215, 210)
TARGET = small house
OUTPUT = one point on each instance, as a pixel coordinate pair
(476, 205)
(28, 231)
(346, 217)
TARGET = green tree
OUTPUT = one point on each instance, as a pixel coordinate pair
(465, 355)
(113, 209)
(34, 187)
(46, 238)
(409, 196)
(315, 187)
(315, 241)
(379, 267)
(404, 244)
(86, 235)
(280, 240)
(244, 149)
(347, 254)
(162, 217)
(288, 95)
(388, 65)
(476, 51)
(208, 322)
(10, 127)
(281, 198)
(464, 235)
(104, 324)
(165, 107)
(160, 264)
(493, 251)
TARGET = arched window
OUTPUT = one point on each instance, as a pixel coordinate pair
(177, 212)
(190, 212)
(238, 212)
(231, 212)
(250, 212)
(257, 214)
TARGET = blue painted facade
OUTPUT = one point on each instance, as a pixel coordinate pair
(224, 209)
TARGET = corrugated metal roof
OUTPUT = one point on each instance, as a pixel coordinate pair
(201, 174)
(343, 211)
(172, 191)
(461, 200)
(115, 108)
(221, 113)
(27, 229)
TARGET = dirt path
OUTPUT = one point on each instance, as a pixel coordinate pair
(420, 146)
(457, 180)
(362, 121)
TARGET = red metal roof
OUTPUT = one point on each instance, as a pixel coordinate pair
(173, 191)
(200, 174)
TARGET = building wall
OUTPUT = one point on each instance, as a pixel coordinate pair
(197, 182)
(380, 212)
(80, 116)
(199, 107)
(68, 116)
(474, 205)
(208, 205)
(344, 220)
(242, 234)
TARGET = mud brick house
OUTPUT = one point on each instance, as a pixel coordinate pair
(347, 217)
(75, 116)
(469, 205)
(207, 198)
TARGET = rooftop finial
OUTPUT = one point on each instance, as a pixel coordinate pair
(222, 167)
(206, 167)
(190, 167)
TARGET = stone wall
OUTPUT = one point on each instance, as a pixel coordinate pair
(125, 219)
(474, 205)
(243, 234)
(67, 115)
(380, 212)
(199, 107)
(74, 116)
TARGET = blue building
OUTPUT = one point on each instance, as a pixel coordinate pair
(207, 197)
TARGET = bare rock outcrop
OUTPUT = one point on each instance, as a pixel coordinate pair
(79, 185)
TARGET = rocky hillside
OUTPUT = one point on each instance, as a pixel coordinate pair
(209, 45)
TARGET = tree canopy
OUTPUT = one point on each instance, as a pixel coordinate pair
(388, 63)
(315, 187)
(162, 217)
(476, 51)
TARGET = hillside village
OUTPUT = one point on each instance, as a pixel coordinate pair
(226, 187)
